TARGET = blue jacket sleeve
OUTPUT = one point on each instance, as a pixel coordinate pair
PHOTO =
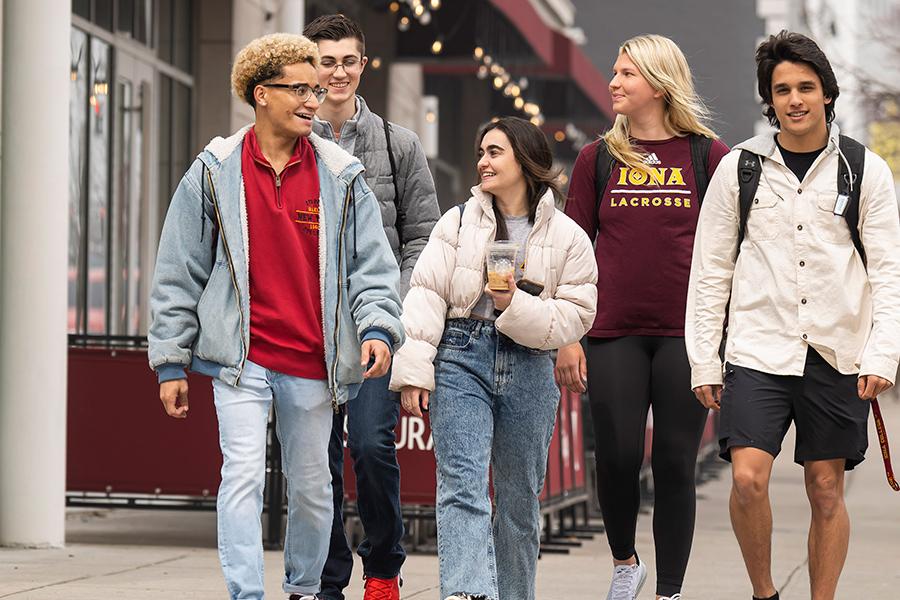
(373, 276)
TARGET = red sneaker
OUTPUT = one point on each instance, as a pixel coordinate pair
(382, 589)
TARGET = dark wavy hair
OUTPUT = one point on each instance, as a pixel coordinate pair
(793, 47)
(532, 152)
(336, 27)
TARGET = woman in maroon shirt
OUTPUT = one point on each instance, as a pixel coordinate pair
(643, 220)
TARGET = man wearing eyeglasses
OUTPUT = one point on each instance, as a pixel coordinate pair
(274, 277)
(397, 172)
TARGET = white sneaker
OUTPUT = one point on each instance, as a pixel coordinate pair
(627, 581)
(462, 596)
(674, 597)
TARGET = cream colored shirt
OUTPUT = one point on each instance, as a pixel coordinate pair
(798, 279)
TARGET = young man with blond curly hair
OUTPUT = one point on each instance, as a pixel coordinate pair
(275, 278)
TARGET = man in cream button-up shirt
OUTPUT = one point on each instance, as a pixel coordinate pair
(813, 332)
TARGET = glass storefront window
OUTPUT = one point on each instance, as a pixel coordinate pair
(103, 14)
(98, 187)
(135, 19)
(78, 116)
(82, 8)
(175, 33)
(113, 219)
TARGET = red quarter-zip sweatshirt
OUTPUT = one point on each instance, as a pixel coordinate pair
(283, 231)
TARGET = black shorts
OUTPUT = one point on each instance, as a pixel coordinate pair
(830, 418)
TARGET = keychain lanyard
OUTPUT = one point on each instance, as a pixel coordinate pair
(885, 448)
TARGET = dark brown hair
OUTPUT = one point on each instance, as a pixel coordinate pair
(335, 28)
(532, 152)
(797, 48)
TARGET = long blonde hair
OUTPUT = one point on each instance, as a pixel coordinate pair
(665, 68)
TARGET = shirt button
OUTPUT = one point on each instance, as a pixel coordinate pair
(803, 301)
(804, 336)
(756, 201)
(799, 190)
(799, 227)
(802, 263)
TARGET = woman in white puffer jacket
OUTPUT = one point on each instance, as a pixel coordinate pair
(481, 359)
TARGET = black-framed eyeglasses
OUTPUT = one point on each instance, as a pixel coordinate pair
(301, 90)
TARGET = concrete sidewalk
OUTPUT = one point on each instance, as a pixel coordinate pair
(140, 555)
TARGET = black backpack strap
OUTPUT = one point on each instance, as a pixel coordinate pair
(850, 183)
(390, 153)
(749, 171)
(700, 145)
(603, 166)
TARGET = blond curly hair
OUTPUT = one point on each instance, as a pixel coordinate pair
(263, 58)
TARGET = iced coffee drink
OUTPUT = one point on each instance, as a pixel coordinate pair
(501, 263)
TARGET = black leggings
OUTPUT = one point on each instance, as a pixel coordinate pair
(626, 376)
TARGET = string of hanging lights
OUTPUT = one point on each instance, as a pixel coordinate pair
(501, 79)
(488, 68)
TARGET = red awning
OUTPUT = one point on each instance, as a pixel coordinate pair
(529, 23)
(561, 56)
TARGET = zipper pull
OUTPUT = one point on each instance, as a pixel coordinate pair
(278, 203)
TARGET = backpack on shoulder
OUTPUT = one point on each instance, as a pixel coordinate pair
(849, 184)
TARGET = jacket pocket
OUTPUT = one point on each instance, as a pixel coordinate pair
(829, 227)
(764, 220)
(219, 339)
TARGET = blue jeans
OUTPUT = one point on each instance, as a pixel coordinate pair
(493, 407)
(371, 419)
(304, 413)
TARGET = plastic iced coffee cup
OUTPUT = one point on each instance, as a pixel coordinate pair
(501, 263)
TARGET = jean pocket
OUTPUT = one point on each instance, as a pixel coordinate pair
(456, 339)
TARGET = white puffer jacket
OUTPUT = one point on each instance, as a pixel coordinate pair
(449, 278)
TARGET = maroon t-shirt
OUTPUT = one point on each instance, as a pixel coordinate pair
(283, 231)
(643, 229)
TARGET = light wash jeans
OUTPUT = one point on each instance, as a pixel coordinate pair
(493, 407)
(303, 410)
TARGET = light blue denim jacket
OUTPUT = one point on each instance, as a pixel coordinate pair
(200, 301)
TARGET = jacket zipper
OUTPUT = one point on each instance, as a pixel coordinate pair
(337, 310)
(278, 181)
(278, 178)
(278, 203)
(483, 280)
(237, 294)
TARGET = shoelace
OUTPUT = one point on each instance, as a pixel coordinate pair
(623, 581)
(378, 589)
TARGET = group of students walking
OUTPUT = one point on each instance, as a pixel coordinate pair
(289, 246)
